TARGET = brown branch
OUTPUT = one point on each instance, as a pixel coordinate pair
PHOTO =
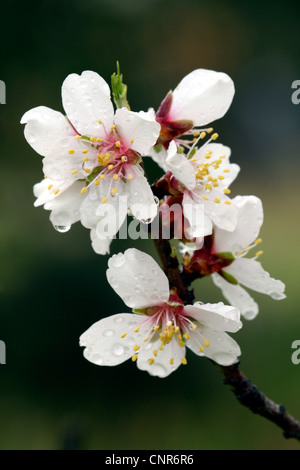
(247, 393)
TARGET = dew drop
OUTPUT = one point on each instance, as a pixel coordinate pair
(62, 228)
(117, 350)
(108, 333)
(119, 320)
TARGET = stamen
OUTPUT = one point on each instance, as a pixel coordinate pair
(84, 190)
(71, 151)
(134, 357)
(184, 361)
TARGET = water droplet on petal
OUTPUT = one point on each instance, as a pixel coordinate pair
(108, 333)
(117, 349)
(62, 228)
(118, 320)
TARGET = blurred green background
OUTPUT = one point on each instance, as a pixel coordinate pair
(53, 286)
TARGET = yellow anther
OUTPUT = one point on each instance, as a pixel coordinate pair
(194, 139)
(112, 127)
(202, 135)
(186, 336)
(217, 200)
(99, 140)
(116, 176)
(151, 360)
(205, 197)
(156, 328)
(184, 361)
(134, 357)
(136, 330)
(77, 136)
(99, 120)
(208, 157)
(209, 131)
(118, 144)
(84, 190)
(208, 186)
(56, 191)
(194, 326)
(227, 191)
(227, 170)
(50, 186)
(129, 176)
(206, 343)
(146, 339)
(136, 347)
(85, 159)
(132, 140)
(215, 136)
(84, 151)
(155, 352)
(171, 361)
(176, 329)
(110, 167)
(102, 177)
(71, 151)
(221, 177)
(223, 156)
(161, 347)
(196, 133)
(228, 203)
(258, 241)
(123, 159)
(93, 139)
(123, 335)
(45, 176)
(114, 190)
(215, 184)
(201, 348)
(104, 200)
(194, 160)
(74, 172)
(179, 336)
(96, 182)
(259, 253)
(169, 323)
(87, 170)
(181, 344)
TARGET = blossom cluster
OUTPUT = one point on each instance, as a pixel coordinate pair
(93, 166)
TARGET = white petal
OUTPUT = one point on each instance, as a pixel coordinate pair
(218, 317)
(161, 366)
(141, 127)
(107, 217)
(137, 279)
(86, 99)
(140, 197)
(100, 246)
(159, 155)
(48, 131)
(180, 166)
(237, 296)
(200, 223)
(249, 221)
(202, 96)
(66, 206)
(222, 348)
(103, 342)
(251, 274)
(221, 153)
(223, 215)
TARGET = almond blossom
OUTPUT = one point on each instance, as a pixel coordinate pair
(203, 178)
(201, 97)
(157, 333)
(224, 257)
(91, 155)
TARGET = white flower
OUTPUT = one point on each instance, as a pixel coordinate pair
(91, 150)
(205, 178)
(223, 256)
(202, 97)
(156, 337)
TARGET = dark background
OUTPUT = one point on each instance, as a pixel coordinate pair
(53, 286)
